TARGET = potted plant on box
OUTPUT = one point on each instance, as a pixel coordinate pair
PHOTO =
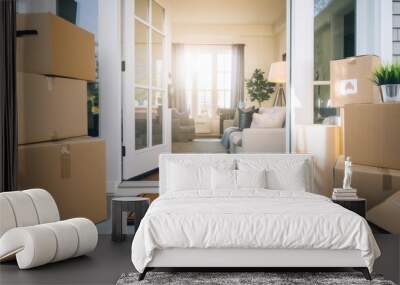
(387, 77)
(258, 87)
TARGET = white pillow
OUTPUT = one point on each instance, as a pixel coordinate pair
(183, 178)
(226, 179)
(265, 110)
(282, 174)
(251, 179)
(293, 180)
(223, 179)
(193, 173)
(269, 118)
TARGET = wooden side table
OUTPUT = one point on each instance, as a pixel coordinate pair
(358, 205)
(120, 208)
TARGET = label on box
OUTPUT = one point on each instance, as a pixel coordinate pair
(346, 87)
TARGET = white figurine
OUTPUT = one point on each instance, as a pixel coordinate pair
(347, 174)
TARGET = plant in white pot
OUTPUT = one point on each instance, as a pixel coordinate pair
(387, 77)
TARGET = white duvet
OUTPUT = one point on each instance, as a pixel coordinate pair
(250, 219)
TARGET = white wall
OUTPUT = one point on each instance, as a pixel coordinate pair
(109, 32)
(280, 38)
(87, 15)
(262, 44)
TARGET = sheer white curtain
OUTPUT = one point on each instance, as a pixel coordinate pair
(237, 78)
(202, 76)
(178, 78)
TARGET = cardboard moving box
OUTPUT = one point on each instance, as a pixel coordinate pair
(50, 108)
(372, 134)
(72, 170)
(386, 215)
(372, 183)
(50, 45)
(351, 80)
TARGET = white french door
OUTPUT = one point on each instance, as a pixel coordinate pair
(145, 122)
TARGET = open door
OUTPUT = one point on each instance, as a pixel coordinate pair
(145, 124)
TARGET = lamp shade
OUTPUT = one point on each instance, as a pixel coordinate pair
(277, 72)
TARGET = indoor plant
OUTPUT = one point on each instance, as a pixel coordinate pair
(387, 77)
(258, 88)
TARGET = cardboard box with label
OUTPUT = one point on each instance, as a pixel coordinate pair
(72, 170)
(386, 215)
(372, 134)
(50, 45)
(351, 81)
(50, 108)
(372, 183)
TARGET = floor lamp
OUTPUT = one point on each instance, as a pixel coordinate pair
(277, 74)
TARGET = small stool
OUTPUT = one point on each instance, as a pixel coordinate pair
(120, 208)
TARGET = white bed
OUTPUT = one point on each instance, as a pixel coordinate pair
(198, 222)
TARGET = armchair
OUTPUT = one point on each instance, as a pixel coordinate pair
(226, 118)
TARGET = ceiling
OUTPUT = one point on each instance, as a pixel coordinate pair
(266, 12)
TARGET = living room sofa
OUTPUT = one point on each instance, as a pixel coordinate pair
(254, 140)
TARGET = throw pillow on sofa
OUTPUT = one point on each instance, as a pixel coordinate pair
(269, 118)
(245, 117)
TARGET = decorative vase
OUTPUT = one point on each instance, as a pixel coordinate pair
(391, 93)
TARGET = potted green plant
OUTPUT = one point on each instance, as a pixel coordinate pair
(387, 77)
(258, 88)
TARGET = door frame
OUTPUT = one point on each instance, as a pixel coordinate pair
(148, 156)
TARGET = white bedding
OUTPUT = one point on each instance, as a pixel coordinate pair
(251, 218)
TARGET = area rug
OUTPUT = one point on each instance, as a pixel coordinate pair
(244, 278)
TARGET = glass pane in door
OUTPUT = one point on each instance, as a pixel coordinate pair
(141, 54)
(158, 16)
(142, 9)
(334, 38)
(158, 59)
(141, 110)
(157, 122)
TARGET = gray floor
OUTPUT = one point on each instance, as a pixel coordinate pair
(110, 260)
(103, 266)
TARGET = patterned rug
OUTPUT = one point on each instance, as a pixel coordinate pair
(243, 278)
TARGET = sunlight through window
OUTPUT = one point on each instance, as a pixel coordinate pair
(207, 79)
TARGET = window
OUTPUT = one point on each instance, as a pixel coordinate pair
(396, 31)
(224, 62)
(334, 38)
(149, 73)
(207, 79)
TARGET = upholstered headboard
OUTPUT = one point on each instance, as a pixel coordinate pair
(286, 161)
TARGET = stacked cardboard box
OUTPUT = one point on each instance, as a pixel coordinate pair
(55, 59)
(371, 135)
